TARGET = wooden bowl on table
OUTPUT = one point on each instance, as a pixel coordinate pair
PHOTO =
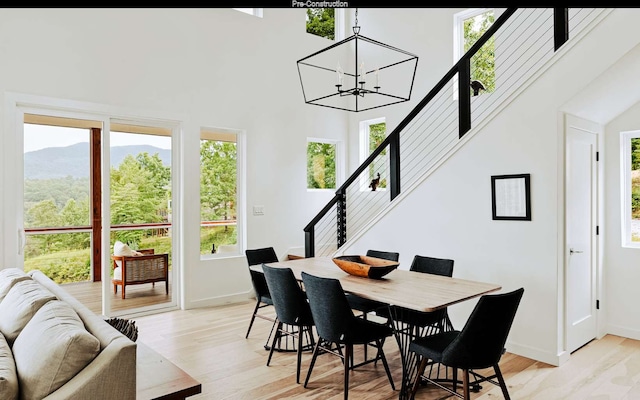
(367, 267)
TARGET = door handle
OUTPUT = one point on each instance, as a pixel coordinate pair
(571, 251)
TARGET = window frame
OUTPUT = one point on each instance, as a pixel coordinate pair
(339, 31)
(458, 38)
(209, 133)
(625, 187)
(364, 128)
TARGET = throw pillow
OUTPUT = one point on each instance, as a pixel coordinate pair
(19, 305)
(52, 349)
(122, 249)
(8, 374)
(9, 277)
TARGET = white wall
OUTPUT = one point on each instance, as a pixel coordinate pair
(449, 215)
(215, 67)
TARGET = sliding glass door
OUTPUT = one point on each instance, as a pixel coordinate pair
(83, 175)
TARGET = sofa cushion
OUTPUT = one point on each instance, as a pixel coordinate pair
(9, 277)
(8, 375)
(51, 349)
(19, 305)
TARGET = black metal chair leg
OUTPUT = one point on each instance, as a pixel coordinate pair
(313, 361)
(276, 337)
(384, 363)
(455, 379)
(348, 354)
(253, 317)
(503, 384)
(299, 360)
(266, 344)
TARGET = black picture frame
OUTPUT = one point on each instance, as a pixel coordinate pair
(511, 197)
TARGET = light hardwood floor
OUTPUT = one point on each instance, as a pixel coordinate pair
(210, 345)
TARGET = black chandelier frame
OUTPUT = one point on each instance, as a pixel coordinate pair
(358, 90)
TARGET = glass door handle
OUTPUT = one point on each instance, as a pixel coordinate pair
(571, 251)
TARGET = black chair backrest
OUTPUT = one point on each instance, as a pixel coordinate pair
(480, 343)
(387, 255)
(288, 298)
(259, 256)
(329, 306)
(432, 265)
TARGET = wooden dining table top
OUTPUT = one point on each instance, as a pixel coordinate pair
(403, 288)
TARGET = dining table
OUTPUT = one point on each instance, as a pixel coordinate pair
(401, 290)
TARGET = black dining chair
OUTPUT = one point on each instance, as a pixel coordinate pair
(337, 325)
(366, 306)
(292, 311)
(263, 297)
(424, 323)
(479, 345)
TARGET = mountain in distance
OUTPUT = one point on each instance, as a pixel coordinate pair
(60, 162)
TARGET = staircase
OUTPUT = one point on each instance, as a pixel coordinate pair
(525, 44)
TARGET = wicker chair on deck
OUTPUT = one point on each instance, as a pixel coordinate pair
(136, 270)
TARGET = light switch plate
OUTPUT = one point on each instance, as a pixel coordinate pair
(258, 210)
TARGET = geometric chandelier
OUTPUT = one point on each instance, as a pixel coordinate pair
(357, 74)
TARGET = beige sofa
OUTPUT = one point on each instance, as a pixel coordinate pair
(52, 347)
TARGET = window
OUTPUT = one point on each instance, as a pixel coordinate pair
(251, 11)
(469, 26)
(325, 22)
(57, 198)
(630, 163)
(321, 164)
(372, 133)
(218, 191)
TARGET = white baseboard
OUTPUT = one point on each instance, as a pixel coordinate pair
(623, 331)
(537, 354)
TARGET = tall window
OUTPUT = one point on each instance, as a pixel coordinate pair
(469, 27)
(321, 164)
(372, 133)
(218, 192)
(630, 163)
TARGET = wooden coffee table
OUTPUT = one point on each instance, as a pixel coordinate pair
(160, 379)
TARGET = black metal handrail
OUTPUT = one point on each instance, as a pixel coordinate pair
(461, 68)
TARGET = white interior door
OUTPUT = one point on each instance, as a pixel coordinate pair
(581, 247)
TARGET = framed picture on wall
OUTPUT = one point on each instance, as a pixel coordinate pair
(511, 197)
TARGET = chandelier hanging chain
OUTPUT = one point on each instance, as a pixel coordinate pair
(356, 28)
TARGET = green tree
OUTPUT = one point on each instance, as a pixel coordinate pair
(483, 62)
(75, 214)
(218, 180)
(137, 195)
(321, 22)
(321, 165)
(44, 214)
